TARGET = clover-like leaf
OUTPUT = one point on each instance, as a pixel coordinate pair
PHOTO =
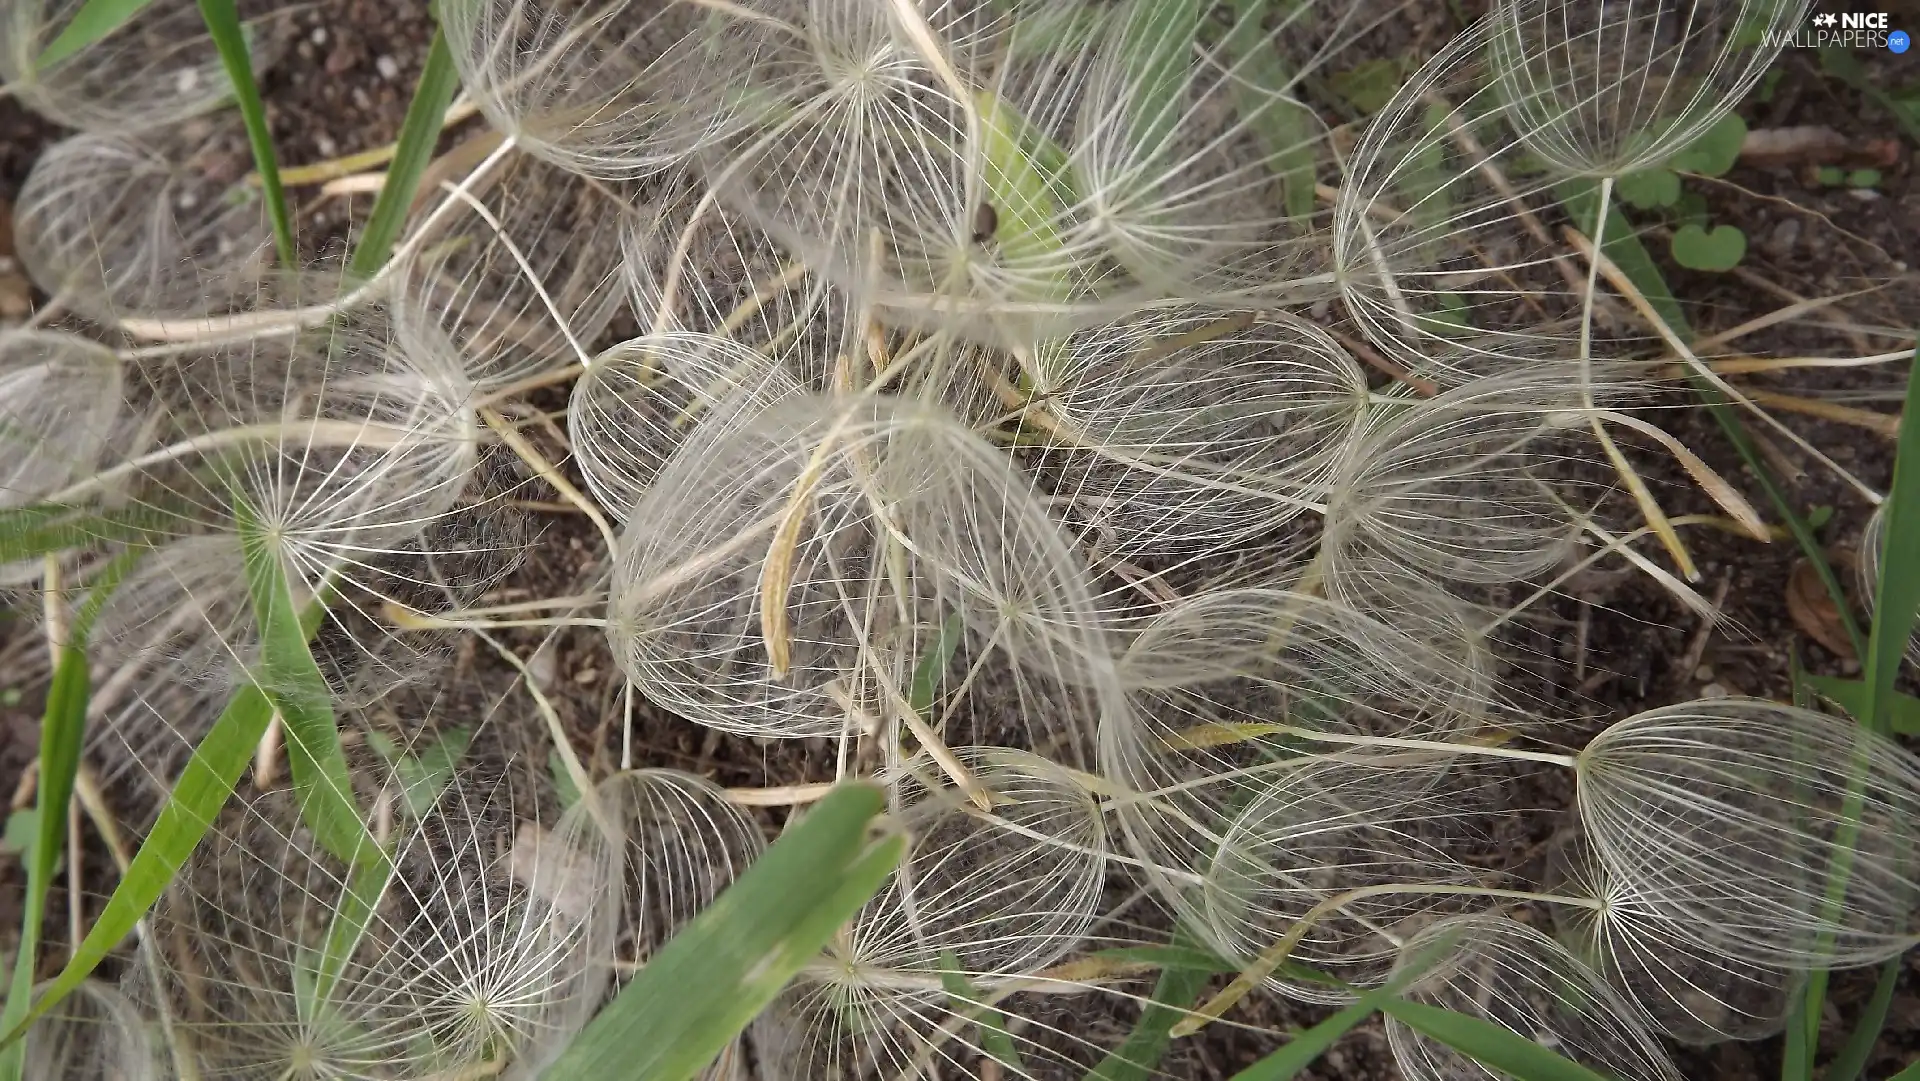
(1697, 248)
(1715, 151)
(1649, 189)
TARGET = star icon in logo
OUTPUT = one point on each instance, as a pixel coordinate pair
(1825, 18)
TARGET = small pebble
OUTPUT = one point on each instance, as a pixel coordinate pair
(1784, 236)
(586, 675)
(540, 667)
(1713, 690)
(1704, 673)
(387, 66)
(327, 147)
(185, 80)
(319, 35)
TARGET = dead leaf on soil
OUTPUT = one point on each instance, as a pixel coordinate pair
(1815, 145)
(544, 865)
(1814, 613)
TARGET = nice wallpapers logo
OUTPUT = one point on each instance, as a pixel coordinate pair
(1849, 30)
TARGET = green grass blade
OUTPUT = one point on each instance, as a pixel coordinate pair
(696, 995)
(1581, 198)
(1911, 1073)
(33, 531)
(1897, 600)
(230, 38)
(1866, 1032)
(295, 686)
(418, 134)
(63, 735)
(969, 1002)
(1169, 956)
(1503, 1051)
(1796, 1051)
(1183, 976)
(90, 24)
(1301, 1051)
(63, 731)
(365, 886)
(933, 664)
(205, 783)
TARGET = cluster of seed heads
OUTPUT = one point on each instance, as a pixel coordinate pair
(1030, 406)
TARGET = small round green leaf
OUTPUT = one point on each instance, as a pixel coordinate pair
(1715, 151)
(1698, 249)
(1863, 178)
(1649, 189)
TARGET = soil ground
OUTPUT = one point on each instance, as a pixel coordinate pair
(1610, 645)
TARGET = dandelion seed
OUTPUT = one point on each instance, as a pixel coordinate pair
(1506, 973)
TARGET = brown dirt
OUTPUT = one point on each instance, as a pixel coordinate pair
(1611, 645)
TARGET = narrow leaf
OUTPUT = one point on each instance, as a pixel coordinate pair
(33, 531)
(1796, 1052)
(695, 996)
(295, 686)
(1582, 201)
(418, 134)
(1866, 1031)
(90, 24)
(63, 731)
(367, 883)
(1168, 957)
(1188, 966)
(1897, 600)
(230, 38)
(1157, 49)
(1301, 1051)
(205, 783)
(969, 1002)
(1501, 1050)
